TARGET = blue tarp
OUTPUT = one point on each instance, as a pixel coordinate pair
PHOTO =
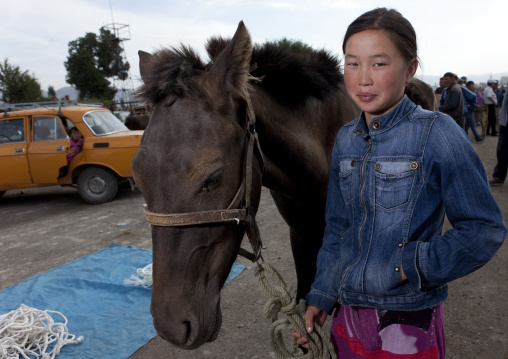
(113, 317)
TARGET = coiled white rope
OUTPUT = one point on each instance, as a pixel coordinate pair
(29, 331)
(142, 278)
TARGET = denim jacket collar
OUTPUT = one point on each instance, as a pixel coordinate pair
(384, 122)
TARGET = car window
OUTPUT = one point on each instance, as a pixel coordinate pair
(122, 115)
(103, 122)
(12, 131)
(48, 129)
(68, 124)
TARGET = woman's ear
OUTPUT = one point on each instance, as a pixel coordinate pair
(413, 66)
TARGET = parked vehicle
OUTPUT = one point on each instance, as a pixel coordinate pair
(34, 143)
(122, 115)
(139, 118)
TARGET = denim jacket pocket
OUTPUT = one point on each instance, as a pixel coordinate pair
(394, 182)
(346, 179)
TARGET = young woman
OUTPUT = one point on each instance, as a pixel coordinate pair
(396, 171)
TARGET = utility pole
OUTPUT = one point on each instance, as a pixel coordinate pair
(122, 33)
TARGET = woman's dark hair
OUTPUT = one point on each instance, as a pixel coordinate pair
(396, 26)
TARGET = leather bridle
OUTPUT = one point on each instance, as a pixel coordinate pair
(238, 210)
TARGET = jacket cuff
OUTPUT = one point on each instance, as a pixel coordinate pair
(323, 302)
(410, 264)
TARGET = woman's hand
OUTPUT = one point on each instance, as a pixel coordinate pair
(312, 314)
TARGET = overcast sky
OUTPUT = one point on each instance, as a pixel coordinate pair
(466, 37)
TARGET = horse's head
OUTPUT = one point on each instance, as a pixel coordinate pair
(191, 170)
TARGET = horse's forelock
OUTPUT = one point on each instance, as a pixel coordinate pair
(171, 73)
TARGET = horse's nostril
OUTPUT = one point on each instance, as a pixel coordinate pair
(188, 330)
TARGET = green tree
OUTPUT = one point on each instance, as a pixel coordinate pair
(17, 85)
(51, 92)
(92, 60)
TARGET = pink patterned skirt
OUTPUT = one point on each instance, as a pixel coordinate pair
(389, 334)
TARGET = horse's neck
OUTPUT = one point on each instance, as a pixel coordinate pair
(297, 145)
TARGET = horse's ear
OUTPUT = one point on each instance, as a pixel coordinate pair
(145, 63)
(231, 67)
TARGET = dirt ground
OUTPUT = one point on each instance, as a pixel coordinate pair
(47, 227)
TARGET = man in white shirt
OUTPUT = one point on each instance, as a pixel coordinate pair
(490, 99)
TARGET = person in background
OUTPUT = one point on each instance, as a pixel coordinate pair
(499, 94)
(396, 171)
(490, 99)
(481, 110)
(470, 108)
(501, 168)
(439, 89)
(452, 102)
(76, 143)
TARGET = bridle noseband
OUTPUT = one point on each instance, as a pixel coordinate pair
(238, 210)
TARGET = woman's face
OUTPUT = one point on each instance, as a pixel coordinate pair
(375, 72)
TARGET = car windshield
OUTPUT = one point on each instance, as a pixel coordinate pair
(103, 123)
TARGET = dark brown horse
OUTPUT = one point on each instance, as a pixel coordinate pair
(200, 169)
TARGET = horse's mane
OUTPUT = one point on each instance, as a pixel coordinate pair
(288, 74)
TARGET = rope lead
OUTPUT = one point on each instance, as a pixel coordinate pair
(282, 298)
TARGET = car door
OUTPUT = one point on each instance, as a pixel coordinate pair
(14, 171)
(47, 152)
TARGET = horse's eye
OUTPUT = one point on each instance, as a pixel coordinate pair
(171, 101)
(212, 181)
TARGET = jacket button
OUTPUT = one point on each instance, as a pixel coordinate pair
(353, 163)
(376, 125)
(400, 245)
(377, 167)
(397, 269)
(414, 165)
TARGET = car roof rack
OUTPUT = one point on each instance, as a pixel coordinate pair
(8, 107)
(17, 106)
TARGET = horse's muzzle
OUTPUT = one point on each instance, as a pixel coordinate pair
(185, 330)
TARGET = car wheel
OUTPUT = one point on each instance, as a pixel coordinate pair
(97, 185)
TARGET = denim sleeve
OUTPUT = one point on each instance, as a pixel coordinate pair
(454, 170)
(325, 288)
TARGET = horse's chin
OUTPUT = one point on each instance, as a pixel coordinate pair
(191, 335)
(218, 324)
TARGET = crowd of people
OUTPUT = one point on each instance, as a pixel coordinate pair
(470, 106)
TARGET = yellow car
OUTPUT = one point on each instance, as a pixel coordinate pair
(34, 143)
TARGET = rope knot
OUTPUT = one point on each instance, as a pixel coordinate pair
(282, 298)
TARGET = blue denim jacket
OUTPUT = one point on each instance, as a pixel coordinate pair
(389, 187)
